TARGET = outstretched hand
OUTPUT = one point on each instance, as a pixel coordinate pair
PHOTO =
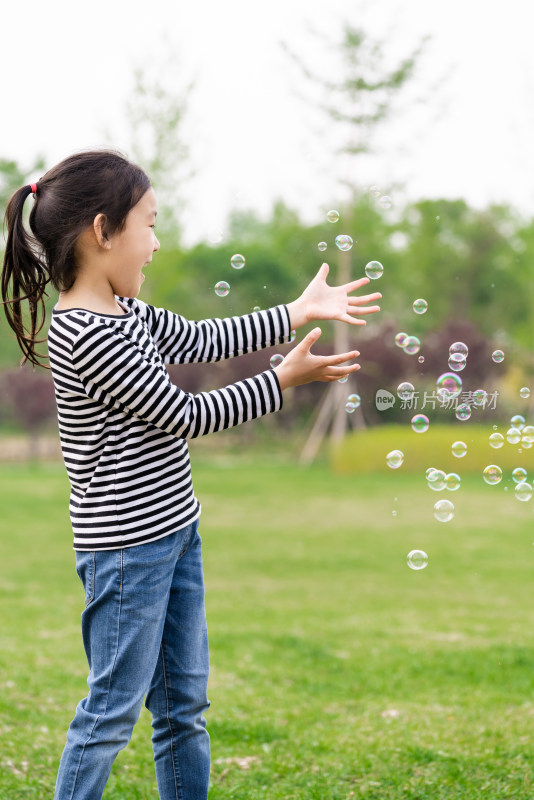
(320, 301)
(301, 366)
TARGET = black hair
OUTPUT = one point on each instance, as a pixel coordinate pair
(67, 199)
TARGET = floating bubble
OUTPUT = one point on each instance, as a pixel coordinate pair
(459, 348)
(457, 364)
(237, 261)
(420, 305)
(394, 513)
(496, 440)
(421, 359)
(344, 242)
(385, 201)
(322, 246)
(492, 474)
(395, 459)
(513, 435)
(459, 449)
(374, 270)
(344, 379)
(405, 390)
(332, 215)
(518, 421)
(417, 559)
(524, 392)
(256, 308)
(429, 471)
(400, 338)
(293, 336)
(463, 412)
(276, 360)
(412, 345)
(420, 423)
(527, 434)
(452, 481)
(355, 399)
(215, 236)
(523, 491)
(436, 480)
(444, 510)
(222, 288)
(497, 356)
(374, 191)
(350, 408)
(479, 397)
(451, 383)
(519, 474)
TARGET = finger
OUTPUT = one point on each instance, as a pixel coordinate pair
(310, 339)
(364, 298)
(341, 358)
(363, 310)
(353, 285)
(323, 271)
(342, 373)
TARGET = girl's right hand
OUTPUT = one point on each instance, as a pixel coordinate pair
(301, 366)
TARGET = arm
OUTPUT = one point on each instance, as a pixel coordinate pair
(119, 375)
(182, 341)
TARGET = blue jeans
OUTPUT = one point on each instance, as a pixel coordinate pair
(144, 631)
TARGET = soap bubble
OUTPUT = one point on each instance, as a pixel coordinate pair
(457, 364)
(237, 261)
(496, 440)
(256, 308)
(451, 383)
(463, 412)
(452, 481)
(513, 435)
(344, 242)
(322, 246)
(444, 510)
(417, 559)
(355, 399)
(276, 360)
(405, 390)
(374, 270)
(395, 459)
(332, 215)
(523, 491)
(400, 338)
(518, 421)
(293, 336)
(222, 288)
(459, 449)
(492, 474)
(420, 423)
(497, 356)
(459, 348)
(421, 359)
(524, 392)
(519, 474)
(350, 408)
(412, 345)
(385, 201)
(420, 305)
(479, 397)
(344, 379)
(527, 434)
(374, 191)
(436, 480)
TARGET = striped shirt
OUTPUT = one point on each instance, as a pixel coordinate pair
(123, 425)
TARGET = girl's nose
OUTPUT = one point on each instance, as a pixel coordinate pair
(156, 244)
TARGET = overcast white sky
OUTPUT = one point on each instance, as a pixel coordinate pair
(67, 73)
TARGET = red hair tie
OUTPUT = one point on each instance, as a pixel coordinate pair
(33, 187)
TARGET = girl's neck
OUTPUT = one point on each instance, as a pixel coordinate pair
(91, 301)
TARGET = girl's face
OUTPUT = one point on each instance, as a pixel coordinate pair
(133, 247)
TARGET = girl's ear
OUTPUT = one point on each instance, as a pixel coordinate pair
(100, 229)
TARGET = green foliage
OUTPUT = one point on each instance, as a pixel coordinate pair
(336, 671)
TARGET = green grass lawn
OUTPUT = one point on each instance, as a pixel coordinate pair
(336, 671)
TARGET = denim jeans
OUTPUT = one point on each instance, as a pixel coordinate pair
(144, 631)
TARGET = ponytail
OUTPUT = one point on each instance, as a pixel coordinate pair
(67, 200)
(24, 277)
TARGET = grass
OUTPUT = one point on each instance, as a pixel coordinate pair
(337, 672)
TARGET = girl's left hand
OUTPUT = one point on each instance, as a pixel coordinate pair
(320, 301)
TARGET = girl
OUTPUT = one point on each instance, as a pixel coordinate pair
(124, 428)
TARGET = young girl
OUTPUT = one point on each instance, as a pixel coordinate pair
(124, 428)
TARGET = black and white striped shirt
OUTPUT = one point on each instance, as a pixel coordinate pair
(123, 425)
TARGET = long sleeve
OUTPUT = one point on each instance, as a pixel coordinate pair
(182, 341)
(120, 368)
